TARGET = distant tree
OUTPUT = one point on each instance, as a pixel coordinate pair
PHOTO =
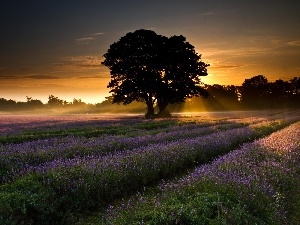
(66, 103)
(54, 101)
(77, 102)
(107, 102)
(278, 94)
(228, 92)
(7, 104)
(254, 91)
(28, 98)
(154, 69)
(295, 92)
(33, 103)
(295, 85)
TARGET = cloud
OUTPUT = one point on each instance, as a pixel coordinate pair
(40, 77)
(79, 63)
(86, 61)
(85, 40)
(276, 42)
(206, 14)
(96, 34)
(236, 52)
(93, 77)
(272, 42)
(228, 66)
(8, 77)
(294, 43)
(88, 39)
(33, 76)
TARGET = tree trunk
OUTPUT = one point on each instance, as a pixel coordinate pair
(150, 110)
(150, 105)
(162, 108)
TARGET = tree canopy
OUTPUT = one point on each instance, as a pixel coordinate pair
(154, 69)
(257, 93)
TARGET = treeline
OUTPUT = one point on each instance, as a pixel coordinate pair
(34, 104)
(255, 93)
(57, 105)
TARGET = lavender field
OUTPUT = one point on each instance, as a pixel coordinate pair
(206, 168)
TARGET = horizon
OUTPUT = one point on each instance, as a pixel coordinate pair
(56, 48)
(70, 100)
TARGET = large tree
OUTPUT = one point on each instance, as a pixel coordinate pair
(154, 69)
(254, 92)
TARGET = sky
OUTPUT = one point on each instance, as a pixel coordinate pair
(56, 48)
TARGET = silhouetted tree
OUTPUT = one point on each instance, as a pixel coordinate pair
(295, 92)
(107, 102)
(54, 101)
(254, 91)
(7, 104)
(33, 103)
(278, 94)
(295, 85)
(151, 68)
(78, 102)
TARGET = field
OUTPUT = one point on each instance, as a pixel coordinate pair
(205, 168)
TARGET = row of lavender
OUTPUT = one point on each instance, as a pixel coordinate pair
(256, 184)
(19, 159)
(17, 124)
(15, 159)
(58, 189)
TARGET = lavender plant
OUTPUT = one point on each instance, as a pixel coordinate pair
(54, 181)
(83, 183)
(18, 157)
(255, 184)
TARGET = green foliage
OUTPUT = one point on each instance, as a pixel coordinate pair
(269, 127)
(27, 201)
(204, 203)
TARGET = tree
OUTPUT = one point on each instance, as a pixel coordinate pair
(78, 102)
(254, 91)
(54, 101)
(33, 103)
(7, 104)
(295, 92)
(278, 95)
(154, 69)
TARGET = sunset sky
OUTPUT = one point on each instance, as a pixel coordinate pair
(51, 47)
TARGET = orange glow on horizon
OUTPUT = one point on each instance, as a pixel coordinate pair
(90, 90)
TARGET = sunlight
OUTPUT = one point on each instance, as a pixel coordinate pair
(209, 79)
(193, 105)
